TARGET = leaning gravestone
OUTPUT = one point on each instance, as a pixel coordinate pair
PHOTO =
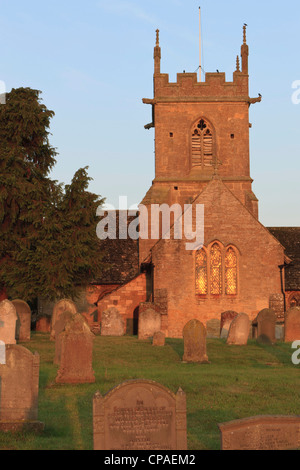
(266, 322)
(159, 339)
(239, 330)
(76, 354)
(19, 379)
(8, 320)
(226, 320)
(292, 325)
(261, 433)
(194, 338)
(64, 305)
(23, 329)
(149, 323)
(112, 323)
(59, 327)
(140, 415)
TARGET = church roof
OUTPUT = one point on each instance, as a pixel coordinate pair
(122, 259)
(289, 237)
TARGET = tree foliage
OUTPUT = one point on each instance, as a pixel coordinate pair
(48, 240)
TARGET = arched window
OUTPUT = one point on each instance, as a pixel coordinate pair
(202, 145)
(215, 270)
(230, 272)
(201, 272)
(295, 301)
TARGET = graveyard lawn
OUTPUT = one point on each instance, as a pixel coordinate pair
(239, 382)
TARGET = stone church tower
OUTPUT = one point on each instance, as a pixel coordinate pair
(202, 157)
(201, 160)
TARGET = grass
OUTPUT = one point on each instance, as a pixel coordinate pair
(239, 382)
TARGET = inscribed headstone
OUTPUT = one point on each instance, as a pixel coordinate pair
(149, 323)
(261, 433)
(8, 320)
(140, 415)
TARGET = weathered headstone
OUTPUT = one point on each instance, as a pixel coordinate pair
(112, 323)
(140, 415)
(19, 379)
(226, 320)
(213, 328)
(64, 305)
(194, 338)
(266, 322)
(239, 330)
(8, 320)
(149, 323)
(159, 339)
(58, 329)
(76, 354)
(261, 433)
(43, 324)
(23, 329)
(292, 325)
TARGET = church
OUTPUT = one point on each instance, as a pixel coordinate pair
(201, 158)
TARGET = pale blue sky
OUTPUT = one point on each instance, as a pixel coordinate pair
(93, 61)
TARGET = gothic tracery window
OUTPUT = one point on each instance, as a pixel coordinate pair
(215, 270)
(230, 272)
(201, 272)
(202, 145)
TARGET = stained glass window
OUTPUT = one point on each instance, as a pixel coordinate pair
(215, 270)
(230, 272)
(201, 272)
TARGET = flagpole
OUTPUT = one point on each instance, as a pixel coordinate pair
(200, 58)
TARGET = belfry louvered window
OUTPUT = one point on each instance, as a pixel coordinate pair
(202, 145)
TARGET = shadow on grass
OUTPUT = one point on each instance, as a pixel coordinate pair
(177, 346)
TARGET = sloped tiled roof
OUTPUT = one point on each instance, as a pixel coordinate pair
(289, 237)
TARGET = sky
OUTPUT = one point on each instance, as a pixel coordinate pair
(93, 62)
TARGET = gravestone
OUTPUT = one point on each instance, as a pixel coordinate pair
(58, 329)
(64, 305)
(149, 323)
(23, 329)
(213, 328)
(194, 338)
(43, 324)
(76, 354)
(239, 330)
(159, 339)
(261, 433)
(292, 325)
(266, 322)
(226, 320)
(8, 320)
(112, 323)
(19, 379)
(140, 415)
